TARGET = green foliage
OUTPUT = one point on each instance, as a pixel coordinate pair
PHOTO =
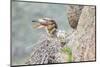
(68, 51)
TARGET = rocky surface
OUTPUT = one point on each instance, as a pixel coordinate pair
(81, 42)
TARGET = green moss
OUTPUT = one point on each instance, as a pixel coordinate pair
(68, 51)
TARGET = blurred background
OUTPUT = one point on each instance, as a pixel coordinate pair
(23, 35)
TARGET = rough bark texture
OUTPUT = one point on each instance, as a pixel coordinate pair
(74, 13)
(81, 42)
(46, 51)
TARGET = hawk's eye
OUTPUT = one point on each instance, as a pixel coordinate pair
(52, 20)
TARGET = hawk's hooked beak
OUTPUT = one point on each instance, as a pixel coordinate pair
(38, 24)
